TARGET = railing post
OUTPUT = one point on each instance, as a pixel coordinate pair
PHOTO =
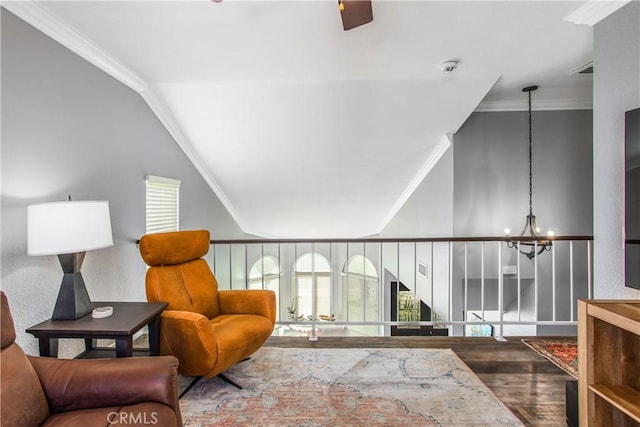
(398, 282)
(280, 283)
(466, 285)
(246, 266)
(347, 276)
(519, 287)
(230, 268)
(294, 285)
(432, 283)
(261, 262)
(589, 270)
(364, 282)
(381, 291)
(553, 281)
(213, 260)
(571, 280)
(450, 282)
(415, 284)
(500, 294)
(482, 280)
(314, 290)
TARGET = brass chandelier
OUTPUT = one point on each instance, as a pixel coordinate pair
(529, 243)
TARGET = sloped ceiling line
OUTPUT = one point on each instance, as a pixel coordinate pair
(166, 118)
(39, 17)
(434, 158)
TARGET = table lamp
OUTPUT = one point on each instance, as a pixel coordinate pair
(68, 230)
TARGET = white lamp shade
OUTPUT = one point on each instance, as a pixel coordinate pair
(68, 227)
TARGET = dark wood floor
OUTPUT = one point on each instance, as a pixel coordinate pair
(529, 385)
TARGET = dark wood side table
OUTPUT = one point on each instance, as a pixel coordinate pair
(127, 319)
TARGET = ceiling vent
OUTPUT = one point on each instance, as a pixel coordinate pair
(584, 69)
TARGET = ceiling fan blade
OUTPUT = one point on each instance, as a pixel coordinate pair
(355, 13)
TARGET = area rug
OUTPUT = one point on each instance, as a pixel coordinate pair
(562, 352)
(347, 387)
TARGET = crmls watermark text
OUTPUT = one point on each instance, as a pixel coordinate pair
(138, 418)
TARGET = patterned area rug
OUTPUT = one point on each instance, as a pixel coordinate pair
(562, 352)
(347, 387)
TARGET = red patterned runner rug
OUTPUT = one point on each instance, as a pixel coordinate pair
(562, 352)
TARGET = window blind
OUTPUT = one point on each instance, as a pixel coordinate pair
(162, 204)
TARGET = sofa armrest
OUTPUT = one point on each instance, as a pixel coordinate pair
(190, 338)
(82, 384)
(251, 301)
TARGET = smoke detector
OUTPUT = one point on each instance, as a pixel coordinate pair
(449, 66)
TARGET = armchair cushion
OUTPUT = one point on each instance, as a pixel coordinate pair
(251, 301)
(187, 287)
(75, 384)
(188, 336)
(174, 247)
(238, 336)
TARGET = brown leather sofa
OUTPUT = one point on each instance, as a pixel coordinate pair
(42, 391)
(207, 330)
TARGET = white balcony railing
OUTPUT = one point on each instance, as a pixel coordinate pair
(379, 287)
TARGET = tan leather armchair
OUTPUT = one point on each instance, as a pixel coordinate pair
(42, 391)
(207, 330)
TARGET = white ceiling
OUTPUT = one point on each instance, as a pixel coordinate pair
(304, 130)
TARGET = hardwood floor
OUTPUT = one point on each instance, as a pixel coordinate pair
(529, 385)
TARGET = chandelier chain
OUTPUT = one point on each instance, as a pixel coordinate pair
(530, 162)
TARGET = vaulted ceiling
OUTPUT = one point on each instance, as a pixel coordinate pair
(305, 130)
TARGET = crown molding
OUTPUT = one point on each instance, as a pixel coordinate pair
(41, 18)
(163, 114)
(594, 11)
(543, 105)
(432, 160)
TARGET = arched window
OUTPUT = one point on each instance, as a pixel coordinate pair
(361, 289)
(311, 282)
(265, 274)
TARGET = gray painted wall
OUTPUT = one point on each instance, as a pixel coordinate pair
(491, 174)
(69, 128)
(616, 89)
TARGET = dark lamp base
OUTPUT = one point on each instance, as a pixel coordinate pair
(73, 299)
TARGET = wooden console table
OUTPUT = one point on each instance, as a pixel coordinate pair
(127, 319)
(609, 362)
